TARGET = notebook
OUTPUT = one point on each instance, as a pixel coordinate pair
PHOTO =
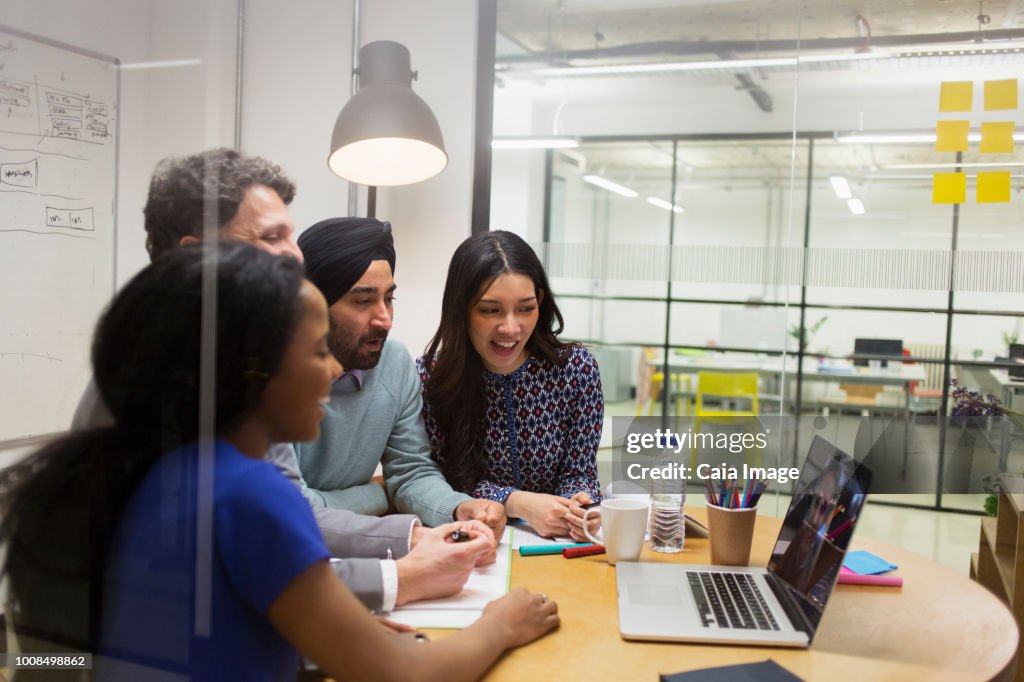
(778, 605)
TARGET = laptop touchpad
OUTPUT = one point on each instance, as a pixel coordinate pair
(654, 595)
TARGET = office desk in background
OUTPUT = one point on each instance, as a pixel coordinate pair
(1010, 430)
(1011, 387)
(772, 368)
(939, 626)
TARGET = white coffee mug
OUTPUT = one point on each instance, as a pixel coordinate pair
(623, 524)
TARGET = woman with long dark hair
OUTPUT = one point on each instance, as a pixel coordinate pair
(165, 542)
(513, 413)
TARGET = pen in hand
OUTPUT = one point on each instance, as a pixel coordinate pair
(460, 536)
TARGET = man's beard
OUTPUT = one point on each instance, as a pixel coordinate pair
(346, 348)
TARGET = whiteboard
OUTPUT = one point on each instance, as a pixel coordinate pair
(58, 195)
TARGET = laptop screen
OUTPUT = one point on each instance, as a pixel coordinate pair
(893, 347)
(1017, 358)
(817, 529)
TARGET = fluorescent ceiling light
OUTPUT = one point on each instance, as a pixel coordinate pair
(946, 235)
(840, 186)
(534, 143)
(900, 176)
(661, 203)
(856, 206)
(854, 57)
(904, 138)
(598, 181)
(168, 64)
(666, 67)
(742, 64)
(910, 166)
(929, 177)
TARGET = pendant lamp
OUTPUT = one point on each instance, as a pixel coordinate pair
(386, 135)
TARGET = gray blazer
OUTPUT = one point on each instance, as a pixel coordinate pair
(362, 541)
(359, 541)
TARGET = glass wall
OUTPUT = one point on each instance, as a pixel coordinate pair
(775, 207)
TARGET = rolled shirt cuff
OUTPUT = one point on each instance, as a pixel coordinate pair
(389, 574)
(412, 526)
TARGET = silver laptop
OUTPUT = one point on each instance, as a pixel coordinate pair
(780, 605)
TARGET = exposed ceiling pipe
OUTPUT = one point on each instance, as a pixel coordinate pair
(752, 88)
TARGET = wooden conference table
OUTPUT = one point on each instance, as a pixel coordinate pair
(939, 626)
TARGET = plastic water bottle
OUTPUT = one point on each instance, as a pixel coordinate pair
(668, 497)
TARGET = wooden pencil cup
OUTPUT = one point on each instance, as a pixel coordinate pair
(731, 534)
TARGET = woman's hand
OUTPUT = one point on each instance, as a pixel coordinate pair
(521, 617)
(546, 514)
(575, 517)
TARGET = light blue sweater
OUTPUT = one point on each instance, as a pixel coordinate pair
(380, 422)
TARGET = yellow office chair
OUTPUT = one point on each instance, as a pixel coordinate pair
(725, 385)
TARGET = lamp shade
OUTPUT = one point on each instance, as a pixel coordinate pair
(386, 135)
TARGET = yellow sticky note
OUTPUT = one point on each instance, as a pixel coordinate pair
(994, 188)
(949, 188)
(951, 136)
(1000, 94)
(956, 96)
(997, 137)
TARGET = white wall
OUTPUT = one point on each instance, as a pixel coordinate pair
(296, 77)
(431, 218)
(296, 80)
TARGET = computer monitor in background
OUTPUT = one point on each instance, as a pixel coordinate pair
(1017, 358)
(891, 347)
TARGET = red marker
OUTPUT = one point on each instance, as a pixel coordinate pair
(573, 552)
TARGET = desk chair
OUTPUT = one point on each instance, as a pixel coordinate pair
(726, 386)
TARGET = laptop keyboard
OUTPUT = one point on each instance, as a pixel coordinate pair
(730, 600)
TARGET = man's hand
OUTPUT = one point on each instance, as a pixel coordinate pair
(438, 567)
(546, 514)
(487, 512)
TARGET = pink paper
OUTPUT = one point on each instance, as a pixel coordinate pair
(848, 577)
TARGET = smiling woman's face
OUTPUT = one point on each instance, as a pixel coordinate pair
(502, 320)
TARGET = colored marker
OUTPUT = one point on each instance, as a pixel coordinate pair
(540, 550)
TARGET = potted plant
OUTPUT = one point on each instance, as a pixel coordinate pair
(794, 331)
(968, 403)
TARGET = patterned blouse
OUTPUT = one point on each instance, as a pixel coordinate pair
(544, 424)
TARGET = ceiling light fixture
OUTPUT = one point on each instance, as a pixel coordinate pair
(903, 138)
(534, 143)
(598, 181)
(840, 186)
(169, 64)
(911, 166)
(769, 62)
(856, 206)
(661, 203)
(665, 67)
(386, 135)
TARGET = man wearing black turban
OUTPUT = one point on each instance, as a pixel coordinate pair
(374, 415)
